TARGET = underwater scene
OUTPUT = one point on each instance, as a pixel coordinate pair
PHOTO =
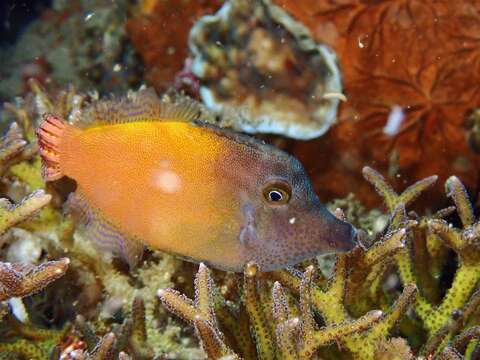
(239, 179)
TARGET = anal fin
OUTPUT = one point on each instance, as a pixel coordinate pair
(108, 237)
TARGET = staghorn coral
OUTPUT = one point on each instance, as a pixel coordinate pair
(24, 279)
(264, 312)
(19, 280)
(130, 338)
(279, 304)
(12, 146)
(11, 214)
(164, 336)
(199, 313)
(435, 233)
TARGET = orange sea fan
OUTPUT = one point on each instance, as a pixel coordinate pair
(420, 55)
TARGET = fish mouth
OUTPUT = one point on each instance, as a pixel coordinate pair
(346, 239)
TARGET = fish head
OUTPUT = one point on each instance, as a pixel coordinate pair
(283, 221)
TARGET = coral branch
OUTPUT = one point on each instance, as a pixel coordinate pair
(104, 349)
(464, 242)
(19, 280)
(450, 353)
(458, 193)
(461, 341)
(199, 313)
(385, 248)
(31, 342)
(11, 146)
(284, 326)
(11, 215)
(255, 310)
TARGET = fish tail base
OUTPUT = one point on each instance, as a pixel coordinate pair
(50, 134)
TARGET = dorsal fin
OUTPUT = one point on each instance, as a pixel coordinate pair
(242, 139)
(145, 105)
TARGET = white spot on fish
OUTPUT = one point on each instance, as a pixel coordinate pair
(168, 181)
(292, 220)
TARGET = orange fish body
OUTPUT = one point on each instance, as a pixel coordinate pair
(191, 189)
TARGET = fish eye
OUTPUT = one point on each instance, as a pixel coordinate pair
(277, 193)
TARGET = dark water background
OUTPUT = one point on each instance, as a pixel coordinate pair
(15, 15)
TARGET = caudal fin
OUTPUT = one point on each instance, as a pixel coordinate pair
(50, 134)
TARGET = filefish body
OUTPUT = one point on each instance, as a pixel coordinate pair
(148, 172)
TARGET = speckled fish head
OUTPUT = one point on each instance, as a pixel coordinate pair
(283, 221)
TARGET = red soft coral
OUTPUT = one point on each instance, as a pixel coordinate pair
(159, 33)
(421, 55)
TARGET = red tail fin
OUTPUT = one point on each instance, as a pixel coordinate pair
(50, 134)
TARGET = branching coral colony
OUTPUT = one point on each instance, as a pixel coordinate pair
(292, 315)
(19, 280)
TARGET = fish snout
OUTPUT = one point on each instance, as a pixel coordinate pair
(348, 239)
(342, 237)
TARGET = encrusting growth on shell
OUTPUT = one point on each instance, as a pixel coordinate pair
(244, 57)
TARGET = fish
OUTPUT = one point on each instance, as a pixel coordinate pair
(153, 172)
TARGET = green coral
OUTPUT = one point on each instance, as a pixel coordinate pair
(465, 242)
